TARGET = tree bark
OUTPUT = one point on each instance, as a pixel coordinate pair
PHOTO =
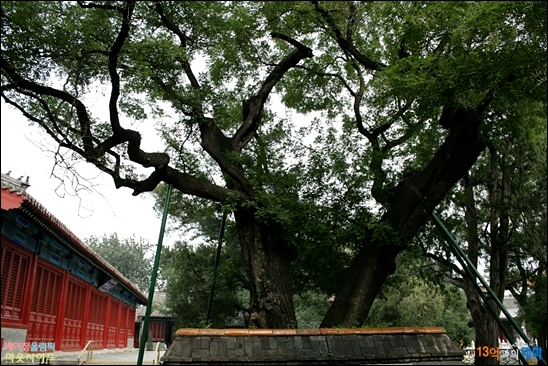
(267, 260)
(364, 278)
(405, 216)
(485, 327)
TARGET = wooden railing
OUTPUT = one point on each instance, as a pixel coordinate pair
(157, 355)
(88, 349)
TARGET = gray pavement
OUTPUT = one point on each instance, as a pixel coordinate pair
(107, 357)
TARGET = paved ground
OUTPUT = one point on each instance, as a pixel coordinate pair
(107, 357)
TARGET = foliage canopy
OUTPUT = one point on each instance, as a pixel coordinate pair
(402, 98)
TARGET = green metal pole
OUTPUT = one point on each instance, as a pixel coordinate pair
(144, 328)
(215, 266)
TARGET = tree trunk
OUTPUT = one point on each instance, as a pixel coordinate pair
(267, 259)
(404, 218)
(541, 332)
(485, 328)
(373, 264)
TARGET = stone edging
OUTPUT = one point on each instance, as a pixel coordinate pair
(193, 332)
(324, 346)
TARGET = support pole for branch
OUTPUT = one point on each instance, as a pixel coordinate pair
(216, 265)
(154, 275)
(474, 275)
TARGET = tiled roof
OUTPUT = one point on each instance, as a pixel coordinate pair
(13, 184)
(158, 306)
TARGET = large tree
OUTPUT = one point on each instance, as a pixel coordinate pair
(428, 84)
(399, 75)
(147, 48)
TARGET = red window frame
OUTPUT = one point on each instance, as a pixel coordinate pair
(16, 265)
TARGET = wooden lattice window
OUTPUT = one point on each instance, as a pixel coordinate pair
(14, 276)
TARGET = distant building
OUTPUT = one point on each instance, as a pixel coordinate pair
(512, 307)
(160, 324)
(56, 290)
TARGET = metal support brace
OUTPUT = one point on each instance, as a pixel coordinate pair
(144, 328)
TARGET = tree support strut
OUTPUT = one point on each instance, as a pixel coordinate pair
(144, 328)
(474, 275)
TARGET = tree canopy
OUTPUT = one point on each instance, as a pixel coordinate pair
(131, 256)
(402, 98)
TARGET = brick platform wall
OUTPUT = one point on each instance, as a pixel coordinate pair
(349, 346)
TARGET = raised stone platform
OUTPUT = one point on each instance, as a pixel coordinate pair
(325, 346)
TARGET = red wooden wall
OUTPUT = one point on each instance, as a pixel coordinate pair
(158, 330)
(97, 317)
(15, 265)
(55, 306)
(44, 309)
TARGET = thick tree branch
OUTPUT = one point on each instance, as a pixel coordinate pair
(450, 265)
(356, 105)
(112, 68)
(253, 107)
(351, 20)
(217, 145)
(384, 127)
(390, 144)
(453, 159)
(345, 43)
(459, 282)
(201, 188)
(184, 182)
(214, 142)
(328, 74)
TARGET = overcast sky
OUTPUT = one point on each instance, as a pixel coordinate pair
(103, 210)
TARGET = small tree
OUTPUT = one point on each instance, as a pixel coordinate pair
(189, 275)
(130, 256)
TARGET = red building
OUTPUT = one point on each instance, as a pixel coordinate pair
(54, 288)
(161, 325)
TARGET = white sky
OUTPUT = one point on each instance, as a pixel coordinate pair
(104, 210)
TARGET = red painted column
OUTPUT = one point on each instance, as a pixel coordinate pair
(130, 324)
(122, 324)
(118, 321)
(134, 333)
(29, 289)
(107, 323)
(61, 311)
(87, 309)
